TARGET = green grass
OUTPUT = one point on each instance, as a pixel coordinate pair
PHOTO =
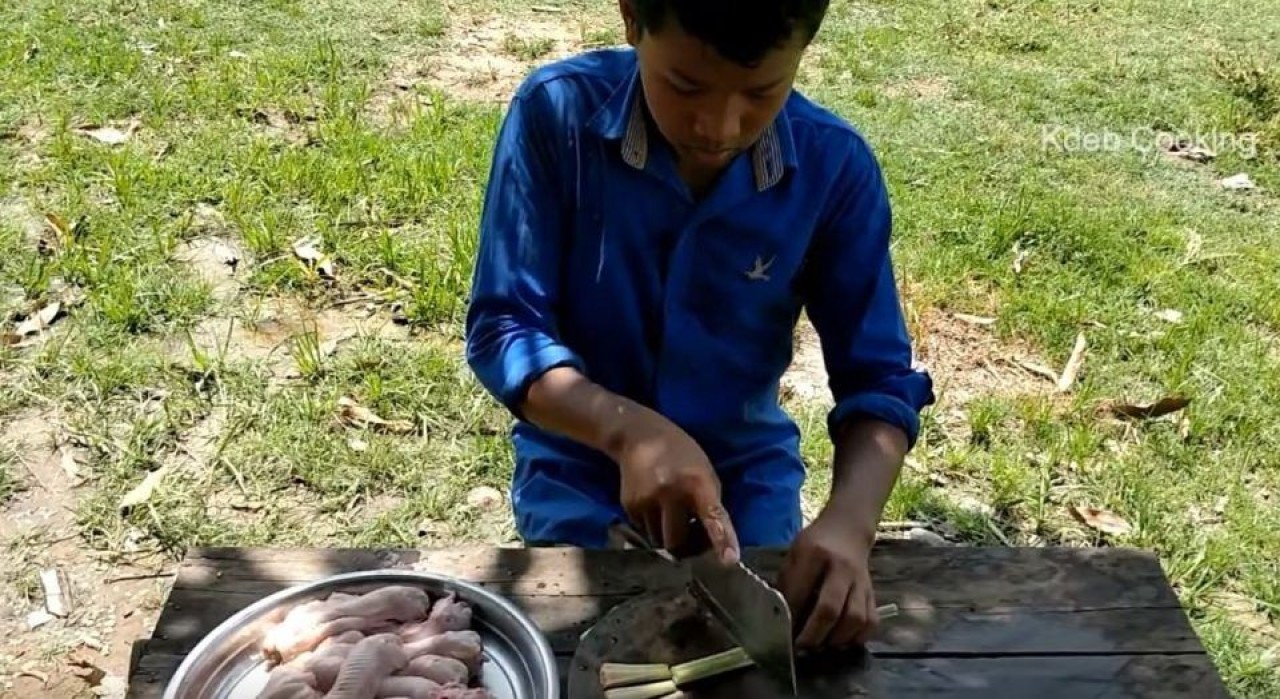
(956, 98)
(10, 478)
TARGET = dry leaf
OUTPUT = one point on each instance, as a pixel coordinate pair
(974, 320)
(58, 234)
(1101, 520)
(353, 414)
(109, 135)
(1020, 256)
(1188, 151)
(144, 490)
(1164, 406)
(70, 466)
(308, 251)
(1072, 370)
(1169, 315)
(1040, 370)
(35, 324)
(1238, 182)
(91, 674)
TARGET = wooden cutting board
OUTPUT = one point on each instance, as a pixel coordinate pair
(671, 627)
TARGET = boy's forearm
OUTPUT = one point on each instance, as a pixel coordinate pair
(868, 459)
(566, 402)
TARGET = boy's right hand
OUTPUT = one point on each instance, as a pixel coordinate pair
(666, 481)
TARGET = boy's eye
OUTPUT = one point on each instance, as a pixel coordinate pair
(683, 89)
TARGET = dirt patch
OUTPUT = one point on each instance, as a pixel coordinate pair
(1249, 615)
(964, 357)
(113, 604)
(286, 336)
(484, 58)
(967, 360)
(805, 381)
(19, 215)
(926, 88)
(216, 261)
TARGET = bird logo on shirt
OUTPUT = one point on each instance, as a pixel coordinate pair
(760, 272)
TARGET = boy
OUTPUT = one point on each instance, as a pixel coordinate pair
(655, 221)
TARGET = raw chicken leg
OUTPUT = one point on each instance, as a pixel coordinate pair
(370, 662)
(448, 614)
(391, 603)
(411, 687)
(459, 645)
(459, 692)
(288, 647)
(287, 682)
(438, 669)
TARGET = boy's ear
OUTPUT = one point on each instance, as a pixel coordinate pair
(629, 21)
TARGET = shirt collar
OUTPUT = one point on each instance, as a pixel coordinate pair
(622, 118)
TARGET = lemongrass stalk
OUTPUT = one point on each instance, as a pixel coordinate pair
(653, 690)
(623, 674)
(710, 666)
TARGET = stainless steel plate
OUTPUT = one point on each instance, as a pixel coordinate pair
(227, 664)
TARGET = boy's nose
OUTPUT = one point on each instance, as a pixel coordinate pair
(720, 126)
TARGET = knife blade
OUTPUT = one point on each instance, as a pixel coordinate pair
(754, 613)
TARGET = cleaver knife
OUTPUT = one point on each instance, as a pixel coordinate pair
(754, 613)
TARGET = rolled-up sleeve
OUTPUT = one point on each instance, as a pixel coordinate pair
(511, 336)
(854, 306)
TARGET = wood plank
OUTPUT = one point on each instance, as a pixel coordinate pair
(191, 614)
(1075, 677)
(1042, 603)
(990, 579)
(1093, 677)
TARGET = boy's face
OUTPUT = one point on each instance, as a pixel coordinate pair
(707, 107)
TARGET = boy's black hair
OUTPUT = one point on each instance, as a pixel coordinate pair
(742, 31)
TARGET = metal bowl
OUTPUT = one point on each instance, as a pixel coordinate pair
(227, 664)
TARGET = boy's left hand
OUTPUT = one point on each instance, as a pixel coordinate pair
(826, 580)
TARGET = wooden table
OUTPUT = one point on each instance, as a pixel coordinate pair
(975, 622)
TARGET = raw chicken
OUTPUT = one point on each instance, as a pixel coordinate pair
(412, 687)
(438, 669)
(455, 691)
(391, 603)
(286, 682)
(346, 638)
(448, 614)
(325, 669)
(459, 645)
(390, 643)
(285, 648)
(306, 626)
(370, 662)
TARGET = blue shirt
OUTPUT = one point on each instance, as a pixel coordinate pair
(594, 254)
